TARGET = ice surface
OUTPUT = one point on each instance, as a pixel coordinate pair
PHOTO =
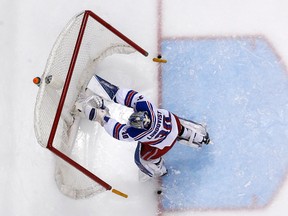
(28, 29)
(238, 88)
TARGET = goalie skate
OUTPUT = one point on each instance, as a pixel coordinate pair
(198, 136)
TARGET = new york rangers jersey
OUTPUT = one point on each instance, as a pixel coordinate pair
(164, 127)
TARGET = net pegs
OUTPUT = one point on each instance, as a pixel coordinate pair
(119, 193)
(159, 59)
(37, 81)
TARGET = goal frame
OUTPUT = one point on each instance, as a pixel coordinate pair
(50, 146)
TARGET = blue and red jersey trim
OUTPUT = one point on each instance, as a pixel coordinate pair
(129, 98)
(116, 130)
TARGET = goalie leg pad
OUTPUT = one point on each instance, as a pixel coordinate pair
(150, 168)
(193, 134)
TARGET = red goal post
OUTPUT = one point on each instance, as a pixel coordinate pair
(84, 42)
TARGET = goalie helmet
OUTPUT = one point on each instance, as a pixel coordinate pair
(140, 120)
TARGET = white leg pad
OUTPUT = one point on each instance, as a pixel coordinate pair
(198, 132)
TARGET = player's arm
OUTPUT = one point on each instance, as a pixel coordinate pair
(120, 131)
(91, 109)
(109, 91)
(135, 100)
(128, 97)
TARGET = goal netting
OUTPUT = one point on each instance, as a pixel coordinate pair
(84, 42)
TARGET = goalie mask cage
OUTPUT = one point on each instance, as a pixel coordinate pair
(85, 41)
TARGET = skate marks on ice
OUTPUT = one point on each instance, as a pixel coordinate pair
(238, 87)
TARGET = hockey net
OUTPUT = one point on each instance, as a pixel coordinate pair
(84, 42)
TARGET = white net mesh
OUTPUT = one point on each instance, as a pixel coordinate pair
(97, 43)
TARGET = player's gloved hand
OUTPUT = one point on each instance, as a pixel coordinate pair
(95, 101)
(100, 115)
(99, 102)
(96, 114)
(92, 100)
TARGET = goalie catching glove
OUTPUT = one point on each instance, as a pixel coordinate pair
(92, 100)
(92, 107)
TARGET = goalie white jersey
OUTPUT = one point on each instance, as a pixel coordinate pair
(156, 130)
(164, 128)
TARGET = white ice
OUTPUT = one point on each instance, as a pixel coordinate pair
(28, 29)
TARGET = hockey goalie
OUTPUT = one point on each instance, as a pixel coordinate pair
(155, 130)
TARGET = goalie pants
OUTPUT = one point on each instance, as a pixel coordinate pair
(151, 153)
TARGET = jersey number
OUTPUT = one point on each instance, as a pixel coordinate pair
(167, 127)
